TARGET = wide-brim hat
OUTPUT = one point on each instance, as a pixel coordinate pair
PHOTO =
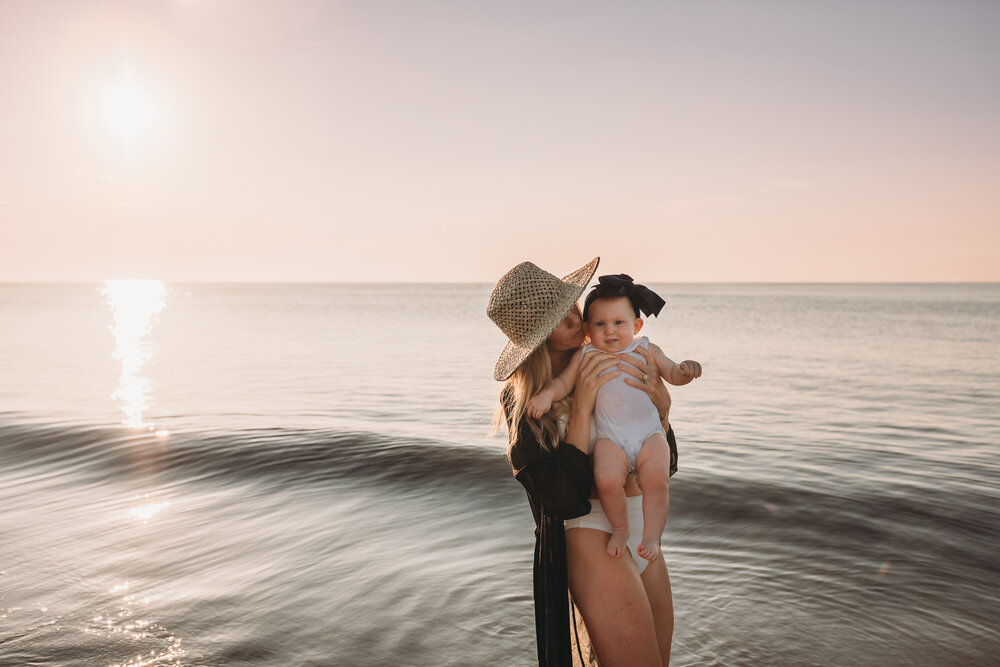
(528, 304)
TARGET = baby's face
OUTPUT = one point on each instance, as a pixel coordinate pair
(612, 324)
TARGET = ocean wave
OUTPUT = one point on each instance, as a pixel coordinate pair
(952, 529)
(955, 522)
(306, 456)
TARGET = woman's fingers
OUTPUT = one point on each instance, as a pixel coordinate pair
(640, 359)
(639, 371)
(600, 373)
(653, 387)
(596, 361)
(592, 375)
(603, 365)
(631, 370)
(603, 377)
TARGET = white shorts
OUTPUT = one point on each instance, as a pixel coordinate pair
(599, 520)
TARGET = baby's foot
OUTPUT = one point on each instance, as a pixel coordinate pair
(616, 545)
(649, 548)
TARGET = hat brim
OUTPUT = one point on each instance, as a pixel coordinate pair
(514, 355)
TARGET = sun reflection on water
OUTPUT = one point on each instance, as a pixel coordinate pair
(133, 305)
(124, 623)
(146, 511)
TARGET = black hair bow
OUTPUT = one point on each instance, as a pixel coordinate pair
(642, 298)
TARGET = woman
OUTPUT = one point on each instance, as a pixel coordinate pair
(629, 615)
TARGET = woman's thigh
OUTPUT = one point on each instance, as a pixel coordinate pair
(612, 599)
(656, 581)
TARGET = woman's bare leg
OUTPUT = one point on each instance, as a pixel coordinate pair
(613, 601)
(653, 465)
(611, 468)
(656, 581)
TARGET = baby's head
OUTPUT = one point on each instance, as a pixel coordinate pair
(611, 311)
(611, 322)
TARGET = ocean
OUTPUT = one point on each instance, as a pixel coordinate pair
(302, 474)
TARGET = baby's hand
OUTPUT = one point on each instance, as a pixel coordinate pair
(690, 369)
(539, 405)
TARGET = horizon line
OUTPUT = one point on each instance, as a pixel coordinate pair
(481, 282)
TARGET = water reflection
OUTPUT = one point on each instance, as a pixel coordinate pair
(126, 622)
(145, 511)
(133, 305)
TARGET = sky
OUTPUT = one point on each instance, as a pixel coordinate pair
(310, 140)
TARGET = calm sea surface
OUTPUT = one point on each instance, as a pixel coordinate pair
(197, 474)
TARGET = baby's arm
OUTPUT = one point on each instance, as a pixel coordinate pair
(674, 373)
(560, 387)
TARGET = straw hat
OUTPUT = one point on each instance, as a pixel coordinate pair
(528, 304)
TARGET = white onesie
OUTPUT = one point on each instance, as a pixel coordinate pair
(625, 415)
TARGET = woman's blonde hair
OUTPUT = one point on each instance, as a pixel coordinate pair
(529, 378)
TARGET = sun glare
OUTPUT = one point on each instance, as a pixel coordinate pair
(129, 112)
(134, 305)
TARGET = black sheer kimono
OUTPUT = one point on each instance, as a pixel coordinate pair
(558, 484)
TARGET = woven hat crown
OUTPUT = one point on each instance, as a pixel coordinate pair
(522, 302)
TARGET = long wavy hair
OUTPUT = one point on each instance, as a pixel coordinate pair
(529, 378)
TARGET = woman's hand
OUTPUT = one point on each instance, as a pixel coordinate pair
(636, 369)
(590, 379)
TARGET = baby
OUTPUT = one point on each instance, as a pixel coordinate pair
(629, 433)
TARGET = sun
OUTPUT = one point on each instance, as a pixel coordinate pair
(129, 112)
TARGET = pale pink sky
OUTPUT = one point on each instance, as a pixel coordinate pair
(447, 141)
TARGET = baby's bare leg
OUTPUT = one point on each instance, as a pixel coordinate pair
(653, 465)
(611, 467)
